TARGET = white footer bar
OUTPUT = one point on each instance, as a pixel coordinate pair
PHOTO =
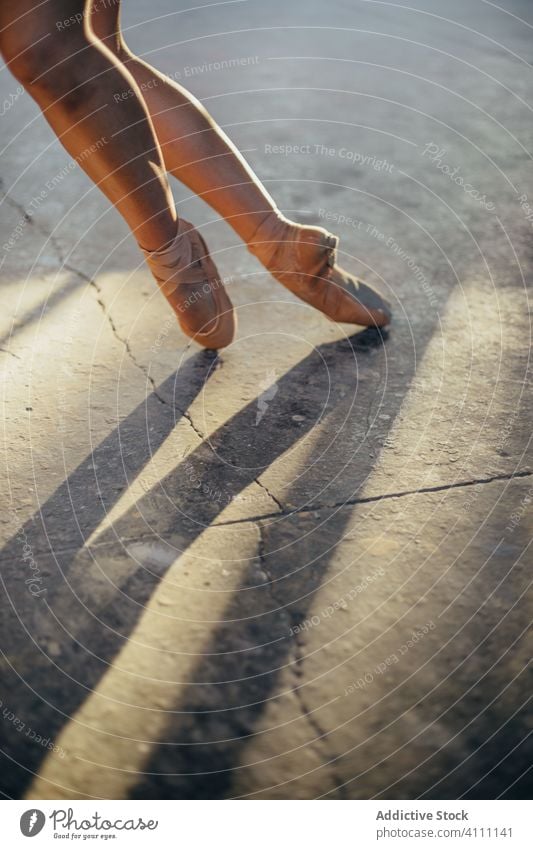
(268, 824)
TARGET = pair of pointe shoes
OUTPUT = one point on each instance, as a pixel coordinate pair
(303, 259)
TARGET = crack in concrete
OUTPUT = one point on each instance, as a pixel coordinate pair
(123, 340)
(31, 220)
(327, 756)
(264, 568)
(94, 285)
(350, 502)
(11, 354)
(255, 480)
(189, 418)
(270, 495)
(256, 520)
(322, 734)
(99, 298)
(282, 510)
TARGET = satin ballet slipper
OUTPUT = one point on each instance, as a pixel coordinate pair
(190, 282)
(304, 260)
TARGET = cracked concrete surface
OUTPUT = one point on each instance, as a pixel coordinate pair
(326, 596)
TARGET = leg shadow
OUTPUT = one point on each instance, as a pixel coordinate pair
(49, 676)
(46, 672)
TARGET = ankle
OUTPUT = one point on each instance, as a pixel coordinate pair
(167, 263)
(280, 244)
(273, 231)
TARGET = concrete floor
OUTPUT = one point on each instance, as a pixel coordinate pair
(300, 569)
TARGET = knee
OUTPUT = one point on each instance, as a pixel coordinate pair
(49, 60)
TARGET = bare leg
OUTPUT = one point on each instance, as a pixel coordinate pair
(75, 79)
(195, 149)
(199, 153)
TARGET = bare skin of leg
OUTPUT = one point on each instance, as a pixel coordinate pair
(75, 78)
(195, 149)
(68, 54)
(200, 155)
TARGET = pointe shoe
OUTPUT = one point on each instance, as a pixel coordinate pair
(190, 282)
(303, 259)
